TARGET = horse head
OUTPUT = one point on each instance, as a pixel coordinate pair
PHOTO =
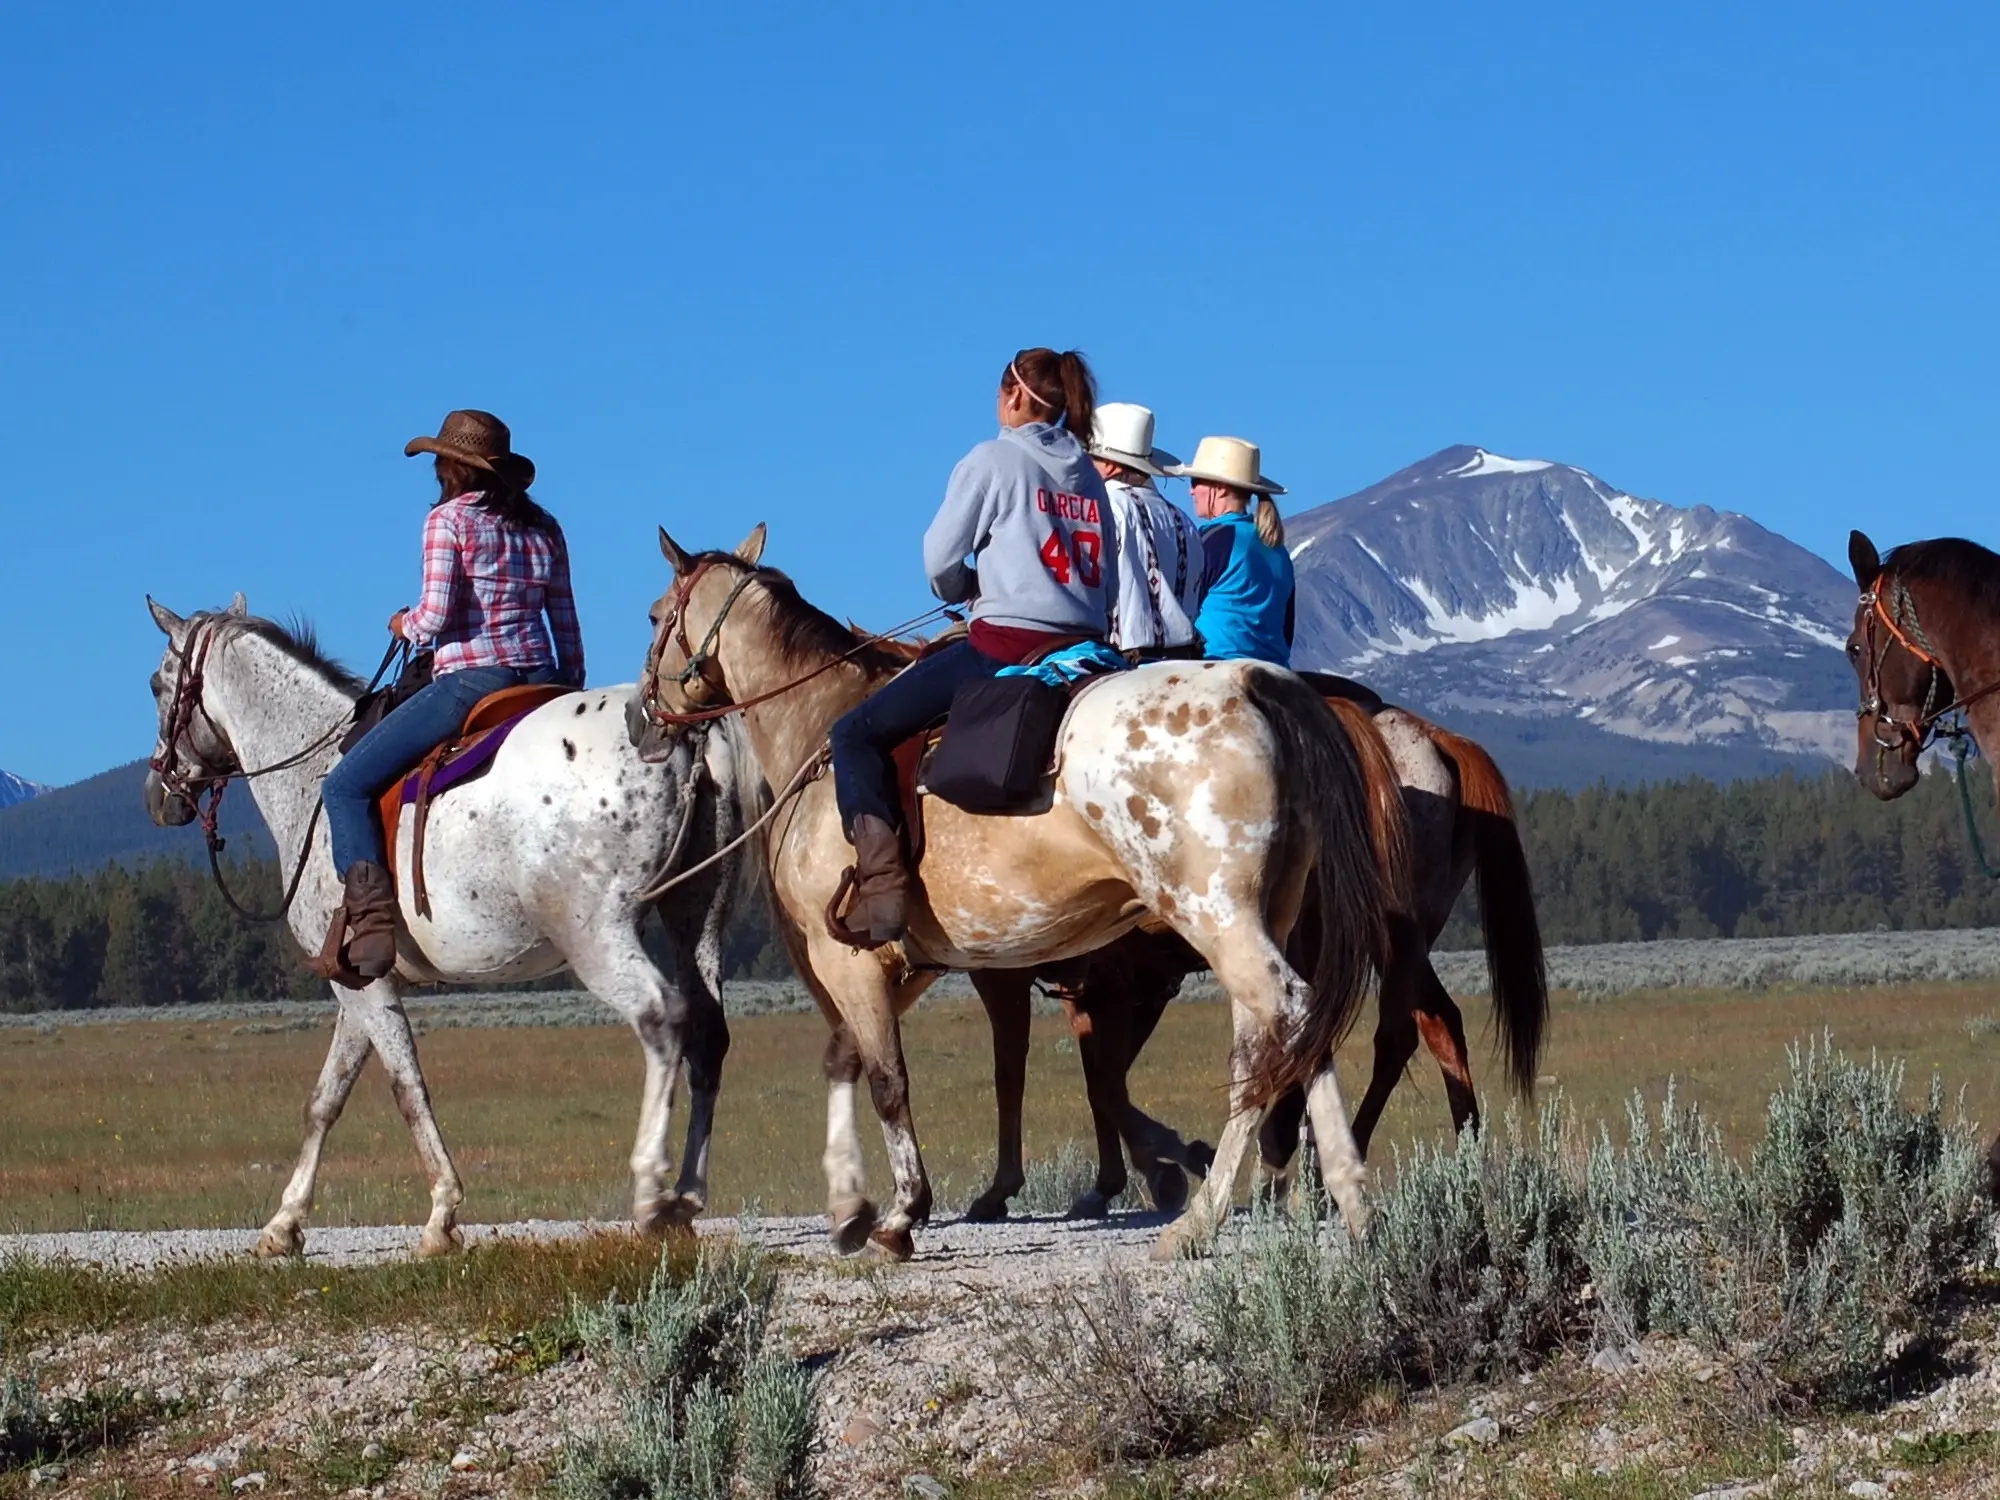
(190, 754)
(683, 681)
(1901, 684)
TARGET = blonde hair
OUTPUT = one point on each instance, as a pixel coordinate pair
(1270, 525)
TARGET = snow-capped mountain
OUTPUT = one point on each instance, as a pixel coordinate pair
(14, 789)
(1522, 586)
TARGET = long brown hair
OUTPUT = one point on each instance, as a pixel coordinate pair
(1061, 385)
(500, 494)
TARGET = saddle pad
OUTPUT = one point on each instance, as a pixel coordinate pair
(485, 730)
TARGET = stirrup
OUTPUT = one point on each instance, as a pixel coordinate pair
(837, 909)
(330, 963)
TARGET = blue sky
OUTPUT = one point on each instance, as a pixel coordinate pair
(767, 265)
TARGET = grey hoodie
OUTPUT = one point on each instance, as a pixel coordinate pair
(1029, 507)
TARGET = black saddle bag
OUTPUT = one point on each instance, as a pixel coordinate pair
(375, 705)
(998, 744)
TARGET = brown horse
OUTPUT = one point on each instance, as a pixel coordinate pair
(1925, 645)
(1460, 819)
(1221, 795)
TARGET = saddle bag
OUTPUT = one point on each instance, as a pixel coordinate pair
(998, 744)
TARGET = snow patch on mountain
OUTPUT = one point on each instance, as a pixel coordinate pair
(1483, 462)
(14, 789)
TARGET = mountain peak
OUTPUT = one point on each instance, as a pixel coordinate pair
(1474, 580)
(15, 789)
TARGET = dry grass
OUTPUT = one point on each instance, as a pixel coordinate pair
(163, 1124)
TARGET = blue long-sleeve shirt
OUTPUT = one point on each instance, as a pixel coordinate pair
(1248, 594)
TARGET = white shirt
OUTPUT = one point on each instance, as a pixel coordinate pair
(1158, 570)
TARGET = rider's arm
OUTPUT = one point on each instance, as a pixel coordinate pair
(560, 604)
(958, 531)
(444, 576)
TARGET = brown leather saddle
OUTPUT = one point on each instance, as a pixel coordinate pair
(468, 754)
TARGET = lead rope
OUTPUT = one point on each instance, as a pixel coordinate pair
(811, 771)
(1959, 737)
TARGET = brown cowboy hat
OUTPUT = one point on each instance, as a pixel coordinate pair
(478, 438)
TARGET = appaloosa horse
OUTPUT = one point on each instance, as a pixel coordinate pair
(542, 862)
(1926, 647)
(1460, 820)
(1220, 795)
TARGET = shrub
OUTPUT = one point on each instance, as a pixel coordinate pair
(706, 1404)
(1052, 1184)
(1820, 1262)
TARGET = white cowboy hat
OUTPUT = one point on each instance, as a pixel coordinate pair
(1230, 461)
(1123, 433)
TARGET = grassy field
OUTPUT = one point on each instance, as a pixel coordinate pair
(164, 1124)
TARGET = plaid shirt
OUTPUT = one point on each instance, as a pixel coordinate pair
(486, 585)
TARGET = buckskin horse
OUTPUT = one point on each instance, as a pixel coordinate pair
(1460, 821)
(1221, 796)
(1925, 647)
(544, 861)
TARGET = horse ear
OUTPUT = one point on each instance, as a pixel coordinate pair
(671, 551)
(239, 606)
(171, 624)
(752, 546)
(1864, 559)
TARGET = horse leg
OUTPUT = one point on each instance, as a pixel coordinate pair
(1395, 1045)
(1210, 1203)
(1159, 1153)
(1340, 1165)
(889, 1085)
(1100, 1019)
(1443, 1027)
(1277, 1144)
(616, 968)
(388, 1026)
(708, 1045)
(1006, 995)
(346, 1055)
(848, 1211)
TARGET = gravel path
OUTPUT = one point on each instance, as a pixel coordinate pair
(1034, 1246)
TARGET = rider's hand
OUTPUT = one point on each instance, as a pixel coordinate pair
(396, 624)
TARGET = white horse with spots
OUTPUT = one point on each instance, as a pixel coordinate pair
(541, 863)
(1223, 796)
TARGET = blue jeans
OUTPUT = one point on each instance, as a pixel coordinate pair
(394, 747)
(864, 776)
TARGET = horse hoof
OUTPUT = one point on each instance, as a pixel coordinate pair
(682, 1210)
(1169, 1188)
(892, 1245)
(435, 1242)
(1179, 1241)
(1200, 1157)
(852, 1232)
(276, 1243)
(990, 1207)
(1092, 1205)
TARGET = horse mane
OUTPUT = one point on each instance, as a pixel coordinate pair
(1965, 568)
(805, 634)
(296, 639)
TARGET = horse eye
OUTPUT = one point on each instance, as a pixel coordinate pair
(1853, 650)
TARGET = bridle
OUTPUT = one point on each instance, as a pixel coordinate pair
(189, 677)
(1889, 603)
(698, 682)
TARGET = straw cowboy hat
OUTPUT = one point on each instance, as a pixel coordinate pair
(478, 438)
(1230, 461)
(1123, 433)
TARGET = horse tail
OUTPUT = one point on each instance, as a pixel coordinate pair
(1514, 962)
(1388, 827)
(1326, 797)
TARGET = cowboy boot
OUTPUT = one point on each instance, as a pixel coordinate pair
(371, 920)
(881, 884)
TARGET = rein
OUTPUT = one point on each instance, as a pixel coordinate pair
(696, 667)
(188, 681)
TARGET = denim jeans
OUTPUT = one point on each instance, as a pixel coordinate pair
(394, 747)
(864, 776)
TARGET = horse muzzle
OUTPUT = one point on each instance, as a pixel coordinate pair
(167, 809)
(653, 741)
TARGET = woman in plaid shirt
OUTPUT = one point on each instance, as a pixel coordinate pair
(495, 564)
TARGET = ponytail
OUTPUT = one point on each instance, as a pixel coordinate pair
(1061, 385)
(1270, 525)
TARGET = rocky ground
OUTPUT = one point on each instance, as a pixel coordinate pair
(931, 1384)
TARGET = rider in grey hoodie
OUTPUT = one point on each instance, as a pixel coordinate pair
(1031, 511)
